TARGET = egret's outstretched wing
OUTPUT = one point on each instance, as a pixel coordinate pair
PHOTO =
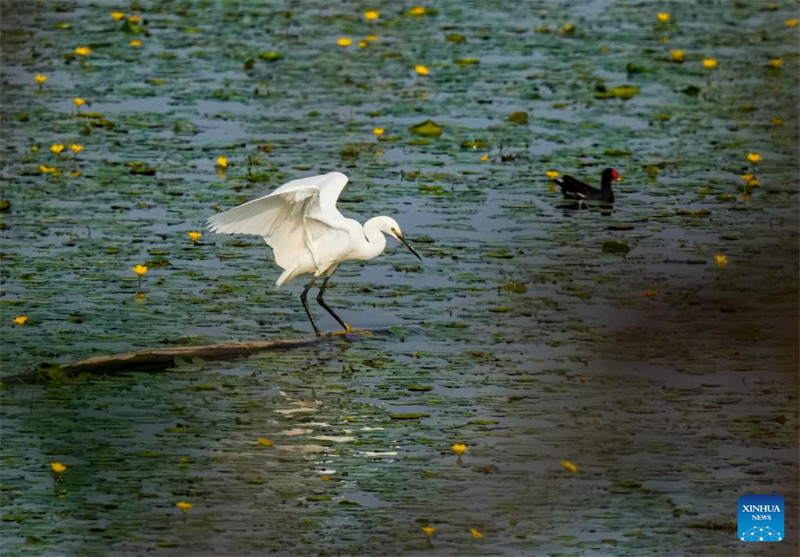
(291, 219)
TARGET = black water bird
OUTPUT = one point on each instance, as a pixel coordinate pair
(577, 190)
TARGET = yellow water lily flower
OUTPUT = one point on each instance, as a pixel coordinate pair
(417, 11)
(776, 62)
(552, 174)
(649, 293)
(222, 162)
(184, 506)
(754, 157)
(677, 55)
(371, 38)
(40, 78)
(135, 43)
(429, 530)
(47, 169)
(194, 236)
(139, 269)
(475, 533)
(663, 17)
(135, 19)
(83, 51)
(344, 41)
(116, 16)
(421, 70)
(710, 63)
(721, 260)
(459, 448)
(363, 44)
(791, 22)
(265, 442)
(485, 157)
(753, 182)
(75, 148)
(776, 121)
(57, 148)
(20, 319)
(377, 131)
(57, 467)
(79, 102)
(371, 15)
(569, 466)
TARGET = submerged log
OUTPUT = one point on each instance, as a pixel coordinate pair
(159, 359)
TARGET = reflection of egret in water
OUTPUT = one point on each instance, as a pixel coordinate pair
(308, 234)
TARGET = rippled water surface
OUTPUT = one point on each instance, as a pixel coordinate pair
(533, 332)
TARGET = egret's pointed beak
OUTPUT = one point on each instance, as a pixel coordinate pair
(402, 240)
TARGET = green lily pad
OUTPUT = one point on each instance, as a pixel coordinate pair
(411, 416)
(519, 117)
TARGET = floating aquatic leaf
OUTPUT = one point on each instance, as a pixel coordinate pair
(466, 61)
(270, 55)
(455, 38)
(623, 92)
(412, 416)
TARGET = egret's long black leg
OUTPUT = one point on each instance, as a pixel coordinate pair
(305, 304)
(347, 327)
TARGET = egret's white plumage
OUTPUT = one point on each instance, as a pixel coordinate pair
(306, 231)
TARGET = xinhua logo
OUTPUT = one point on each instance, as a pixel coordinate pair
(760, 518)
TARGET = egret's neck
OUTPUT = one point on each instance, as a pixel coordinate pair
(375, 241)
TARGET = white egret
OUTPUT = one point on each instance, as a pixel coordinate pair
(308, 234)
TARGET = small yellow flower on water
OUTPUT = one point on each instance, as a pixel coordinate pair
(568, 28)
(139, 269)
(184, 459)
(378, 131)
(649, 293)
(363, 44)
(46, 169)
(604, 49)
(485, 157)
(791, 22)
(553, 174)
(569, 466)
(710, 63)
(135, 19)
(40, 78)
(677, 55)
(371, 15)
(79, 102)
(57, 148)
(663, 17)
(135, 43)
(371, 38)
(475, 533)
(222, 162)
(429, 530)
(459, 449)
(776, 62)
(83, 51)
(421, 70)
(57, 467)
(75, 148)
(265, 442)
(721, 260)
(194, 236)
(746, 177)
(417, 11)
(182, 505)
(344, 41)
(753, 183)
(754, 157)
(116, 16)
(20, 319)
(776, 121)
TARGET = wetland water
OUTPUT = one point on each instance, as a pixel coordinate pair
(668, 382)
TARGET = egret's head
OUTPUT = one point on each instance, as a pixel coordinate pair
(389, 226)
